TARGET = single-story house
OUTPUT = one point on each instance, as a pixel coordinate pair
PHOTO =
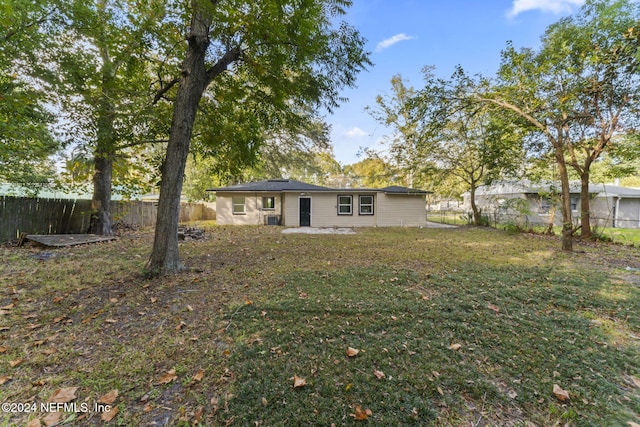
(610, 206)
(297, 204)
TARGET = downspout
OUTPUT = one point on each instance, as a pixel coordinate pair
(260, 210)
(615, 217)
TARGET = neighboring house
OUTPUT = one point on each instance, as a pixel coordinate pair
(297, 204)
(611, 205)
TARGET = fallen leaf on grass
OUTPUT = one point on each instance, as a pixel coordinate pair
(168, 377)
(108, 398)
(636, 381)
(153, 300)
(57, 299)
(181, 325)
(199, 375)
(455, 347)
(4, 379)
(360, 415)
(8, 307)
(379, 374)
(352, 352)
(50, 351)
(110, 414)
(632, 424)
(63, 395)
(298, 382)
(59, 319)
(14, 363)
(197, 416)
(34, 423)
(494, 308)
(52, 418)
(3, 349)
(111, 321)
(560, 394)
(147, 408)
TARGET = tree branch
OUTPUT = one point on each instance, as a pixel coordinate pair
(232, 55)
(164, 89)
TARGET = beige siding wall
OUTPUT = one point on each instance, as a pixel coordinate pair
(389, 210)
(628, 213)
(254, 212)
(401, 210)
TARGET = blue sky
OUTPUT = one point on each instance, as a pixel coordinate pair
(404, 36)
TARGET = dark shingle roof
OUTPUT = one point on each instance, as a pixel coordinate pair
(283, 185)
(272, 185)
(396, 189)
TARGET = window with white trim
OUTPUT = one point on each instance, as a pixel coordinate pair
(238, 205)
(269, 203)
(345, 205)
(366, 205)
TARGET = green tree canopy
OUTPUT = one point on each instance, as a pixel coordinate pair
(292, 55)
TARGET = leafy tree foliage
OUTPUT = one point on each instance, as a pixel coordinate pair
(578, 91)
(596, 53)
(442, 134)
(371, 172)
(25, 139)
(394, 111)
(272, 59)
(100, 60)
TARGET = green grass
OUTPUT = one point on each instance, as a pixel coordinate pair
(260, 307)
(625, 236)
(404, 324)
(452, 218)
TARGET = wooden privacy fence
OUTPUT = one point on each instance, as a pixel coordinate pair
(68, 216)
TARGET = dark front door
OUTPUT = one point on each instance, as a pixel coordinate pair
(305, 212)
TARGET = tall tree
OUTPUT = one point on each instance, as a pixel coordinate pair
(529, 87)
(394, 111)
(289, 50)
(596, 54)
(441, 133)
(100, 63)
(577, 91)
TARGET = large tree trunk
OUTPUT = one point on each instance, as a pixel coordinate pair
(567, 222)
(103, 158)
(164, 256)
(474, 207)
(101, 201)
(585, 201)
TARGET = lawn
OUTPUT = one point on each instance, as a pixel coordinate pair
(455, 327)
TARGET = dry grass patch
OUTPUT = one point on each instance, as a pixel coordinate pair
(222, 343)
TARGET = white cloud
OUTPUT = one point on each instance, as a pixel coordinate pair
(392, 40)
(355, 132)
(553, 6)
